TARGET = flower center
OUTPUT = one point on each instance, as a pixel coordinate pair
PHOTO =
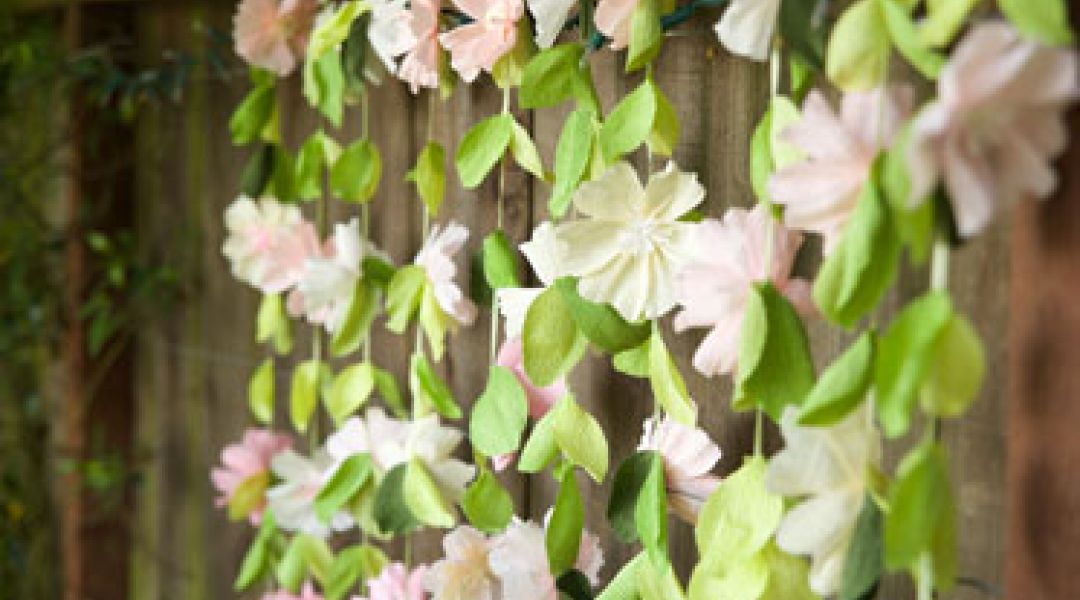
(639, 237)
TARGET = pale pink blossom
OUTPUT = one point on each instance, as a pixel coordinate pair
(249, 458)
(612, 18)
(519, 559)
(732, 256)
(996, 124)
(306, 593)
(437, 259)
(268, 243)
(541, 399)
(273, 34)
(395, 582)
(463, 572)
(292, 499)
(493, 33)
(689, 456)
(820, 193)
(420, 66)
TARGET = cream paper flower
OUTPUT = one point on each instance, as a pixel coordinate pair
(630, 243)
(549, 18)
(327, 285)
(292, 501)
(997, 122)
(747, 27)
(829, 467)
(519, 559)
(544, 252)
(437, 258)
(689, 455)
(463, 572)
(267, 243)
(389, 32)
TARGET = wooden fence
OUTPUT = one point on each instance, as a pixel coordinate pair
(192, 364)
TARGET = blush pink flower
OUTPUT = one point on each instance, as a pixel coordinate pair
(820, 193)
(541, 399)
(463, 572)
(996, 124)
(612, 18)
(479, 45)
(395, 582)
(268, 243)
(420, 66)
(437, 259)
(250, 458)
(689, 455)
(733, 256)
(519, 560)
(306, 593)
(273, 34)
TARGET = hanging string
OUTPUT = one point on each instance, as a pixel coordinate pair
(500, 200)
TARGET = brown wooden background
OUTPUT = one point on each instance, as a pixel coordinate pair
(192, 365)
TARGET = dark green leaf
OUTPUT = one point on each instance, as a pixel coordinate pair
(345, 483)
(356, 327)
(392, 514)
(251, 117)
(863, 563)
(600, 323)
(429, 389)
(650, 514)
(625, 489)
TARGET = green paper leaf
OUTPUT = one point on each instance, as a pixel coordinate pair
(574, 585)
(429, 175)
(624, 586)
(907, 40)
(304, 555)
(392, 514)
(646, 35)
(789, 576)
(255, 111)
(1045, 21)
(525, 153)
(665, 129)
(248, 496)
(842, 386)
(509, 70)
(797, 24)
(356, 173)
(316, 155)
(500, 262)
(563, 536)
(434, 321)
(580, 437)
(307, 380)
(572, 157)
(650, 514)
(499, 415)
(356, 327)
(658, 583)
(351, 565)
(331, 32)
(324, 85)
(388, 390)
(739, 518)
(261, 392)
(768, 151)
(254, 566)
(429, 389)
(487, 504)
(956, 374)
(282, 183)
(667, 383)
(551, 342)
(863, 563)
(914, 226)
(350, 390)
(423, 498)
(629, 123)
(272, 324)
(548, 79)
(600, 323)
(482, 147)
(943, 19)
(256, 174)
(541, 447)
(858, 54)
(625, 490)
(741, 576)
(403, 296)
(633, 362)
(343, 485)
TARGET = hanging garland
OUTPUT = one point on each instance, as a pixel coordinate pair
(877, 178)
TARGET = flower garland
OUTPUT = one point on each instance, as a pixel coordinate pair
(877, 178)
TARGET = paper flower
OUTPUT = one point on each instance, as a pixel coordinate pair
(250, 458)
(747, 27)
(829, 466)
(612, 18)
(437, 258)
(631, 242)
(328, 282)
(479, 45)
(541, 399)
(293, 499)
(820, 193)
(996, 124)
(689, 455)
(389, 32)
(306, 593)
(268, 243)
(549, 17)
(420, 66)
(463, 572)
(732, 256)
(544, 252)
(519, 560)
(273, 35)
(395, 582)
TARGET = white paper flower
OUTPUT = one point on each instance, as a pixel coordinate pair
(549, 18)
(437, 258)
(631, 243)
(389, 32)
(689, 455)
(292, 501)
(519, 559)
(463, 572)
(267, 243)
(544, 252)
(829, 467)
(326, 287)
(747, 27)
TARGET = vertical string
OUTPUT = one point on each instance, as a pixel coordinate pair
(365, 209)
(500, 208)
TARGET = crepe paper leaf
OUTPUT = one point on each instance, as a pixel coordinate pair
(730, 577)
(858, 53)
(797, 27)
(509, 70)
(629, 123)
(956, 374)
(272, 324)
(914, 225)
(282, 183)
(482, 147)
(943, 20)
(317, 154)
(500, 262)
(551, 342)
(739, 518)
(343, 485)
(574, 585)
(429, 175)
(625, 490)
(256, 174)
(541, 447)
(921, 517)
(789, 576)
(307, 381)
(775, 367)
(863, 563)
(1045, 21)
(843, 385)
(562, 540)
(665, 129)
(350, 566)
(355, 54)
(572, 157)
(261, 392)
(633, 362)
(350, 390)
(434, 322)
(783, 114)
(356, 173)
(254, 565)
(331, 32)
(324, 85)
(905, 356)
(304, 555)
(429, 389)
(525, 154)
(248, 496)
(499, 415)
(580, 438)
(667, 383)
(548, 79)
(392, 514)
(863, 266)
(487, 504)
(403, 296)
(624, 586)
(600, 323)
(423, 497)
(650, 514)
(646, 35)
(377, 271)
(252, 115)
(801, 76)
(905, 36)
(658, 582)
(356, 327)
(387, 387)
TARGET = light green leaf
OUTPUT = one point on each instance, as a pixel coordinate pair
(914, 226)
(304, 555)
(665, 130)
(435, 322)
(600, 323)
(500, 262)
(404, 295)
(629, 123)
(624, 586)
(921, 514)
(658, 583)
(343, 485)
(429, 175)
(551, 342)
(317, 154)
(307, 380)
(356, 327)
(842, 386)
(1045, 21)
(863, 562)
(525, 153)
(261, 392)
(739, 518)
(943, 19)
(424, 499)
(508, 70)
(548, 79)
(572, 157)
(355, 176)
(254, 565)
(332, 32)
(351, 389)
(650, 515)
(482, 147)
(392, 514)
(324, 85)
(487, 504)
(646, 35)
(740, 576)
(499, 415)
(907, 40)
(955, 375)
(541, 448)
(789, 576)
(858, 53)
(633, 362)
(255, 111)
(625, 490)
(273, 324)
(248, 496)
(783, 114)
(761, 161)
(351, 565)
(563, 536)
(429, 389)
(387, 388)
(667, 383)
(580, 437)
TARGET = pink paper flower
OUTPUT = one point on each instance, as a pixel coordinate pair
(463, 572)
(437, 259)
(612, 18)
(250, 458)
(519, 559)
(307, 593)
(395, 582)
(480, 44)
(689, 455)
(820, 193)
(272, 34)
(541, 399)
(996, 124)
(420, 66)
(268, 243)
(732, 257)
